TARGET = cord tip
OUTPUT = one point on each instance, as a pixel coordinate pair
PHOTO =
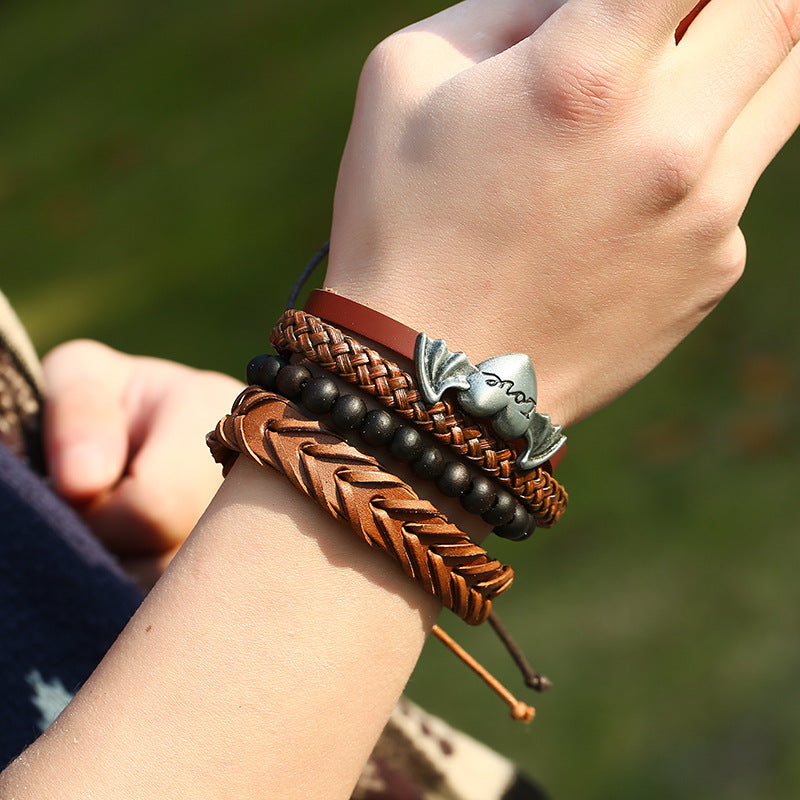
(522, 712)
(540, 683)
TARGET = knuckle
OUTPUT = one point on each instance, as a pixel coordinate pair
(156, 504)
(783, 17)
(717, 214)
(724, 267)
(78, 365)
(733, 258)
(386, 63)
(737, 259)
(673, 167)
(77, 349)
(580, 92)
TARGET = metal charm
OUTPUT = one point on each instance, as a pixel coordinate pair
(501, 388)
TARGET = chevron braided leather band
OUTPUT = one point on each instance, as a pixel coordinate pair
(354, 487)
(299, 333)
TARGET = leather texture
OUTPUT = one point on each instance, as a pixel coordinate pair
(352, 486)
(302, 334)
(363, 320)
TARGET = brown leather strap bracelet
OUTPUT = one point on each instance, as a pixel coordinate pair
(352, 486)
(367, 322)
(300, 333)
(363, 320)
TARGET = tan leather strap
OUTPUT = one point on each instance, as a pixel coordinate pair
(352, 486)
(363, 320)
(300, 333)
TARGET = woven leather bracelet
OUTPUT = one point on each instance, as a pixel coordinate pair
(300, 333)
(352, 486)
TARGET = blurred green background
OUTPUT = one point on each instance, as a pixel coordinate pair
(167, 167)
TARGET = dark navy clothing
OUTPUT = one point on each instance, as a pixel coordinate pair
(63, 601)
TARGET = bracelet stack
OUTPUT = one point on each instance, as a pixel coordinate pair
(354, 487)
(299, 333)
(495, 456)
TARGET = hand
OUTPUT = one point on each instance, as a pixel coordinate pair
(125, 443)
(570, 188)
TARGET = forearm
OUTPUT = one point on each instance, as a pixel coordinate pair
(264, 663)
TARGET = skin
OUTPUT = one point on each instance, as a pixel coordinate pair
(600, 171)
(119, 431)
(573, 190)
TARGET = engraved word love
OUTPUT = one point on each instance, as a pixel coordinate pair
(501, 389)
(517, 395)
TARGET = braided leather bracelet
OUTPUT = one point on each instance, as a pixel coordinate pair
(297, 332)
(352, 486)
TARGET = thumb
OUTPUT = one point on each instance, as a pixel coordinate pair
(85, 424)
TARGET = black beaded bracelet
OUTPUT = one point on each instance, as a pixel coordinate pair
(378, 428)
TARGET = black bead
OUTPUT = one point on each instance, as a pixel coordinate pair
(454, 480)
(377, 428)
(253, 368)
(430, 464)
(517, 529)
(319, 395)
(291, 380)
(530, 530)
(262, 370)
(480, 495)
(502, 512)
(406, 444)
(348, 412)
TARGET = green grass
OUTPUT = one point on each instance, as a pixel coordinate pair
(165, 170)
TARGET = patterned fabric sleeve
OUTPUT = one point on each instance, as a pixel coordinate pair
(420, 757)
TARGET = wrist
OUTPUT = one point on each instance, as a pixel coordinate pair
(473, 318)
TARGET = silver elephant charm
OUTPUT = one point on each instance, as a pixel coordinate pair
(501, 388)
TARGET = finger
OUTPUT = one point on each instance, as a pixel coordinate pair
(730, 51)
(172, 477)
(146, 517)
(149, 512)
(129, 522)
(437, 48)
(622, 31)
(480, 29)
(146, 570)
(761, 130)
(85, 429)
